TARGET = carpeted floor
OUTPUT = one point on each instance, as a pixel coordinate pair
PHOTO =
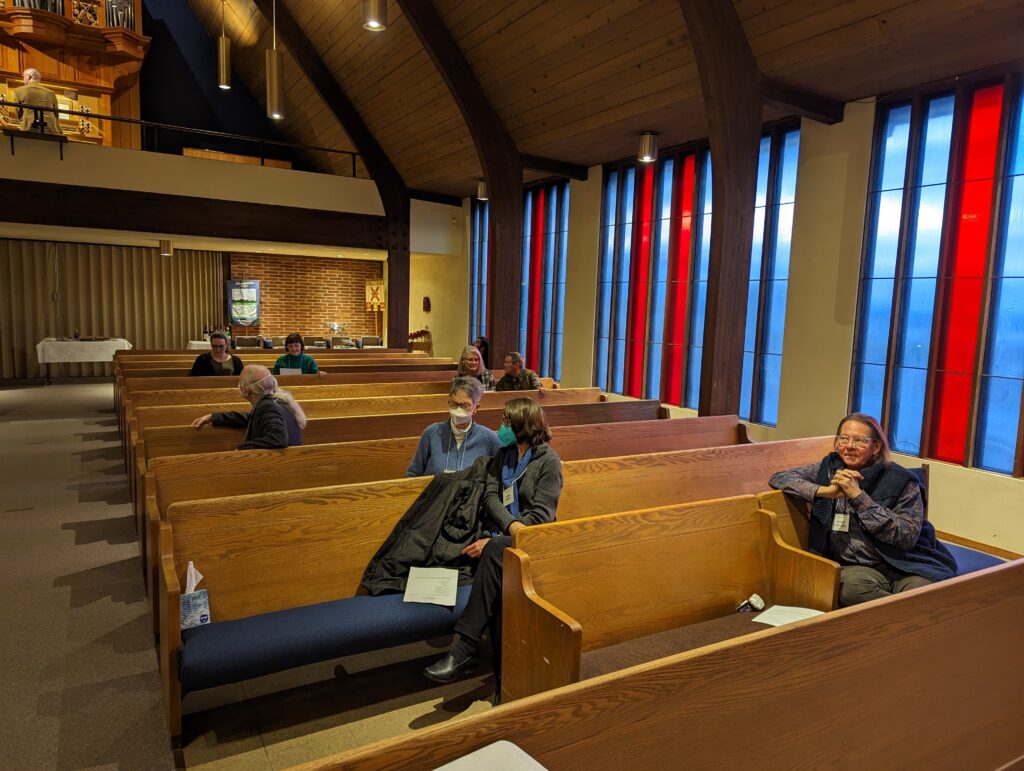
(80, 685)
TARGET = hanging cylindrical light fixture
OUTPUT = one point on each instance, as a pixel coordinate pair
(223, 54)
(166, 248)
(275, 76)
(481, 190)
(375, 15)
(648, 152)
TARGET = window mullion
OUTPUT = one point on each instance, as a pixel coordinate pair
(767, 243)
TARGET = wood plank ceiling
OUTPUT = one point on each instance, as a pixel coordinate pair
(577, 80)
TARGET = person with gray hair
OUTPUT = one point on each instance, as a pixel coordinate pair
(276, 419)
(34, 94)
(453, 444)
(471, 364)
(517, 377)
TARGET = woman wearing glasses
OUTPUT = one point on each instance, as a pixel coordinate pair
(867, 514)
(453, 444)
(471, 364)
(218, 360)
(524, 481)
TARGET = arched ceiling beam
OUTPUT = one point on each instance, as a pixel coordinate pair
(806, 104)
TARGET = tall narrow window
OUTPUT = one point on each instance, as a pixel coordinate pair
(940, 349)
(542, 292)
(653, 277)
(479, 221)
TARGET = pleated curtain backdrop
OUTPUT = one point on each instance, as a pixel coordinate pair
(50, 289)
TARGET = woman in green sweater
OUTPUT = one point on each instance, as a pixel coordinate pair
(296, 358)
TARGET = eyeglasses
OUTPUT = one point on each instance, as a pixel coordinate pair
(456, 405)
(856, 441)
(218, 345)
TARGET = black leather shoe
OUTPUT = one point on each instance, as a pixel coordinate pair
(447, 669)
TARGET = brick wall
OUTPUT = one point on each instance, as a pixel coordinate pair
(304, 294)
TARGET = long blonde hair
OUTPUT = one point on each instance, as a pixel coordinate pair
(474, 352)
(257, 380)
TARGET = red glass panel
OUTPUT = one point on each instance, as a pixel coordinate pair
(532, 352)
(679, 283)
(962, 309)
(639, 292)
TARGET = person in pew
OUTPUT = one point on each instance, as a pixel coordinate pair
(296, 357)
(868, 515)
(523, 483)
(454, 444)
(276, 419)
(471, 364)
(517, 377)
(218, 360)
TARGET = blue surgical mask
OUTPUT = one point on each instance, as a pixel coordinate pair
(506, 436)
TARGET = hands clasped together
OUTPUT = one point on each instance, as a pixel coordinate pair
(845, 483)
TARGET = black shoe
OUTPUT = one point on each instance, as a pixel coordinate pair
(447, 669)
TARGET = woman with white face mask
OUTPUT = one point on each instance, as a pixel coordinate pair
(454, 444)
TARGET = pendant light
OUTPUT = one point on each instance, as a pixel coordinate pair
(223, 53)
(166, 248)
(648, 152)
(375, 15)
(481, 190)
(275, 76)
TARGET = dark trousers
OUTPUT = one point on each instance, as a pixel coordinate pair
(483, 611)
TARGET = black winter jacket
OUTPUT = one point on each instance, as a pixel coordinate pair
(203, 366)
(270, 425)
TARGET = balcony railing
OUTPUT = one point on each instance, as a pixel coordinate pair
(91, 13)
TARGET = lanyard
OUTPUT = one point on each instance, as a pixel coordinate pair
(459, 457)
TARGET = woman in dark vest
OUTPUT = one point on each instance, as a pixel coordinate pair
(276, 419)
(868, 515)
(218, 360)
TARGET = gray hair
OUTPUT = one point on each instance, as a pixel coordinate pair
(517, 358)
(472, 351)
(469, 386)
(33, 74)
(257, 380)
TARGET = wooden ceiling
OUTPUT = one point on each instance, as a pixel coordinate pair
(577, 80)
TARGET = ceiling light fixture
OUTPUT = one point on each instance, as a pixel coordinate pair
(275, 75)
(481, 190)
(375, 15)
(166, 248)
(648, 152)
(223, 53)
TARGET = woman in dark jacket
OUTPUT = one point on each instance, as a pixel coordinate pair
(218, 360)
(524, 481)
(276, 419)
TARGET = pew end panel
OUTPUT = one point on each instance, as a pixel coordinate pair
(170, 631)
(793, 516)
(796, 577)
(541, 645)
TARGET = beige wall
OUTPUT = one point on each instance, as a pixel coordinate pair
(436, 228)
(445, 280)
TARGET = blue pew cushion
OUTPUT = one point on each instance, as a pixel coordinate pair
(969, 560)
(231, 651)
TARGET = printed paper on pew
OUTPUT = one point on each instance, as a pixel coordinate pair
(437, 586)
(289, 371)
(778, 615)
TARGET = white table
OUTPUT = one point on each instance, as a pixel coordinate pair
(198, 345)
(50, 350)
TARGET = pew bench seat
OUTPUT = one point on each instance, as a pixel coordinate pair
(231, 651)
(970, 560)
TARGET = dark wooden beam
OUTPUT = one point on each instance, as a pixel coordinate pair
(807, 104)
(44, 203)
(428, 195)
(561, 168)
(731, 82)
(502, 165)
(394, 194)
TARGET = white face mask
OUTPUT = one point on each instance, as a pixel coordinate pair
(460, 416)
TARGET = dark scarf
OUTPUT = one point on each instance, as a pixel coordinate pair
(883, 482)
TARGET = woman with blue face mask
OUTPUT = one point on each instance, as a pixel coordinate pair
(453, 444)
(524, 481)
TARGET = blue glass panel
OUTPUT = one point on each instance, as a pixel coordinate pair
(783, 241)
(654, 370)
(485, 257)
(875, 317)
(771, 373)
(693, 359)
(611, 192)
(915, 336)
(909, 386)
(998, 416)
(696, 343)
(601, 356)
(556, 370)
(1015, 142)
(1012, 258)
(756, 244)
(867, 388)
(938, 132)
(608, 255)
(895, 141)
(886, 227)
(1005, 356)
(750, 328)
(763, 160)
(706, 182)
(626, 207)
(524, 286)
(666, 189)
(788, 162)
(775, 317)
(923, 251)
(746, 384)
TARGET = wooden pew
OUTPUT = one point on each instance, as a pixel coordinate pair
(613, 582)
(174, 479)
(136, 352)
(781, 696)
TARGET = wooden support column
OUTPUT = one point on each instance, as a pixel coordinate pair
(503, 170)
(394, 194)
(731, 82)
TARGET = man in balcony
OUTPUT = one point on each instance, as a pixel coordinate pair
(34, 94)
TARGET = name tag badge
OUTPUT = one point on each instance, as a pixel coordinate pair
(508, 496)
(841, 523)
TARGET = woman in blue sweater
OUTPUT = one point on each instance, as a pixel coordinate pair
(454, 444)
(296, 358)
